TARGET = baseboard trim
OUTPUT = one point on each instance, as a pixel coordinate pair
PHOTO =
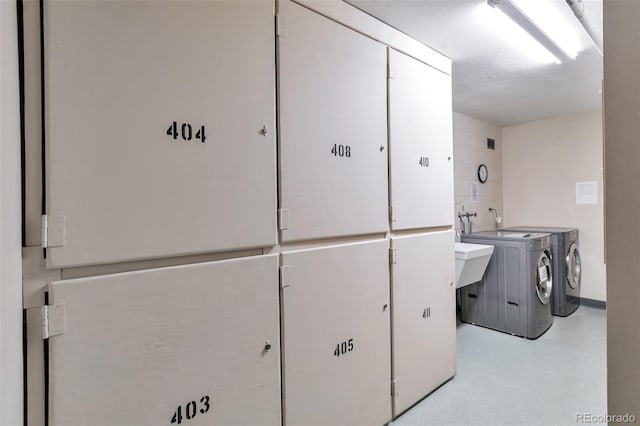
(592, 303)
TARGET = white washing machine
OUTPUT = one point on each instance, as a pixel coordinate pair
(565, 298)
(514, 294)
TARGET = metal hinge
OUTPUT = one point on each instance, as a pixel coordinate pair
(52, 317)
(393, 256)
(283, 219)
(394, 387)
(281, 26)
(52, 231)
(285, 277)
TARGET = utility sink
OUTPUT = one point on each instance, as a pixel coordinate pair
(471, 262)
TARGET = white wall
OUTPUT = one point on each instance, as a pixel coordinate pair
(469, 151)
(622, 167)
(542, 162)
(10, 223)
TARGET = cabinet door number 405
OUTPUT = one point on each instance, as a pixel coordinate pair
(343, 347)
(191, 409)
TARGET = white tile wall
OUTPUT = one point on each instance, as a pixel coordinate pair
(469, 151)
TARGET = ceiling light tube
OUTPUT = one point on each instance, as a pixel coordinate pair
(519, 17)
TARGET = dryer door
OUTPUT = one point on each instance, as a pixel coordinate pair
(544, 280)
(574, 266)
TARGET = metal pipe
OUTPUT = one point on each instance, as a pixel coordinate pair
(577, 6)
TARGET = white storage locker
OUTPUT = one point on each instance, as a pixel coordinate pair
(159, 129)
(336, 335)
(423, 315)
(420, 143)
(333, 128)
(184, 344)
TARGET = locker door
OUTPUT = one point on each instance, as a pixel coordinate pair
(336, 335)
(333, 128)
(154, 118)
(420, 143)
(423, 315)
(175, 345)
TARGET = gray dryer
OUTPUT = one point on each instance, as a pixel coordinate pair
(565, 298)
(515, 292)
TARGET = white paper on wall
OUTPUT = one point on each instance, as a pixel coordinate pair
(543, 273)
(586, 192)
(474, 192)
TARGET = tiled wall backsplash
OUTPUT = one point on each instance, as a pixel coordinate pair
(469, 151)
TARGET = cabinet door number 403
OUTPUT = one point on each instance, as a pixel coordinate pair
(191, 409)
(343, 347)
(185, 131)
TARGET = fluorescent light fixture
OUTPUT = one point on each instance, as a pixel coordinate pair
(548, 17)
(537, 21)
(509, 30)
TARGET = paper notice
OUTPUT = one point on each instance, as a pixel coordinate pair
(543, 273)
(474, 192)
(586, 192)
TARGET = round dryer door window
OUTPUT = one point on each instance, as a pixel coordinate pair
(544, 281)
(574, 267)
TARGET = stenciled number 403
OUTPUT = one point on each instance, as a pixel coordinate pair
(191, 409)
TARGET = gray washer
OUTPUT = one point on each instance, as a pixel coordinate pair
(515, 292)
(565, 298)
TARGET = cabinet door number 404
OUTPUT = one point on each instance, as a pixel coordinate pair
(185, 131)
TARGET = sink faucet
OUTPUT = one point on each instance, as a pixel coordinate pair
(465, 228)
(469, 215)
(497, 219)
(460, 217)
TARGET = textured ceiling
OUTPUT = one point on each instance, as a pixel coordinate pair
(494, 77)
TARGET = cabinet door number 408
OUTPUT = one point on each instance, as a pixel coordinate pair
(341, 150)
